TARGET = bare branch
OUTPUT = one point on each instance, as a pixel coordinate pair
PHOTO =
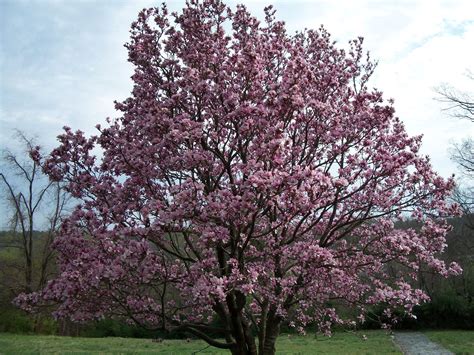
(459, 104)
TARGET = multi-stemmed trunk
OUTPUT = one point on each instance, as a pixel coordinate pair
(266, 345)
(244, 339)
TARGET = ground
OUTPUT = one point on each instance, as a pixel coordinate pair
(458, 341)
(377, 342)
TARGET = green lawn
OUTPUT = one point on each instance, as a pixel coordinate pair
(458, 341)
(341, 343)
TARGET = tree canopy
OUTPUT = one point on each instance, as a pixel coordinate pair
(252, 178)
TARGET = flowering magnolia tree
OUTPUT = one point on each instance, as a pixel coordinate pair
(252, 179)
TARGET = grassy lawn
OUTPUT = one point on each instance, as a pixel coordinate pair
(341, 343)
(458, 341)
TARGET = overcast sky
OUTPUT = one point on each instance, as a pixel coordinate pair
(63, 61)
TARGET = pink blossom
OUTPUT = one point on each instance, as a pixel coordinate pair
(251, 177)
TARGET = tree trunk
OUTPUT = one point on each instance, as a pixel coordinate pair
(262, 328)
(269, 335)
(273, 330)
(250, 339)
(28, 275)
(244, 345)
(242, 349)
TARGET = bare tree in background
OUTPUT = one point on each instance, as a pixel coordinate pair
(31, 197)
(461, 105)
(463, 154)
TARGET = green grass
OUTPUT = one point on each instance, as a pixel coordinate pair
(340, 343)
(377, 342)
(458, 341)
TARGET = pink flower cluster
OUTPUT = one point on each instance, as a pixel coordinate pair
(252, 176)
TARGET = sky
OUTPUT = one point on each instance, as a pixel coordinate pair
(62, 62)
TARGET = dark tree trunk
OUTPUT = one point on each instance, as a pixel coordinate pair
(269, 332)
(237, 329)
(250, 340)
(245, 341)
(247, 347)
(28, 275)
(273, 330)
(243, 349)
(262, 328)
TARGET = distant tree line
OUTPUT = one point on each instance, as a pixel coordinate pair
(451, 306)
